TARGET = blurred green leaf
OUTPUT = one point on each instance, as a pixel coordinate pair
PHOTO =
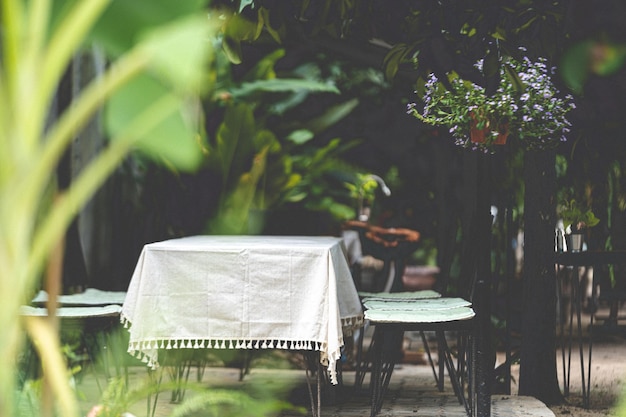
(234, 141)
(264, 16)
(234, 212)
(393, 59)
(300, 136)
(266, 138)
(607, 58)
(331, 116)
(172, 138)
(180, 52)
(514, 79)
(588, 57)
(264, 68)
(124, 22)
(575, 66)
(232, 49)
(491, 65)
(237, 29)
(283, 85)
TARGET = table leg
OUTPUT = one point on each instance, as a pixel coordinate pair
(585, 374)
(316, 400)
(376, 373)
(566, 330)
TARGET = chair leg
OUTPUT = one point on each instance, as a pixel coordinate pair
(441, 353)
(385, 348)
(454, 377)
(430, 357)
(376, 377)
(151, 400)
(363, 360)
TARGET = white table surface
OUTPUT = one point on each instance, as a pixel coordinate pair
(242, 292)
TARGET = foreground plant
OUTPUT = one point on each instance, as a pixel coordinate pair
(159, 66)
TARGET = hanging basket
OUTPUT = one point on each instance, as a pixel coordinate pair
(480, 135)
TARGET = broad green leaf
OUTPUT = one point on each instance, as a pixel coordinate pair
(240, 28)
(392, 60)
(232, 49)
(514, 79)
(291, 101)
(527, 24)
(283, 85)
(244, 4)
(264, 68)
(575, 66)
(322, 153)
(468, 30)
(267, 139)
(491, 63)
(124, 22)
(173, 139)
(300, 136)
(264, 15)
(181, 51)
(233, 214)
(331, 116)
(237, 29)
(234, 140)
(499, 33)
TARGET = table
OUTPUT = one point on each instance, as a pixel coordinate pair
(242, 292)
(585, 259)
(89, 297)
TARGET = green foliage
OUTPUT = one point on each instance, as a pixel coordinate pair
(576, 216)
(265, 161)
(435, 36)
(526, 103)
(283, 85)
(591, 57)
(159, 61)
(118, 398)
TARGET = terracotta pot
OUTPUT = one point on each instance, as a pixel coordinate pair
(418, 278)
(478, 135)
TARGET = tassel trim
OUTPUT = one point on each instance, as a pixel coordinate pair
(147, 350)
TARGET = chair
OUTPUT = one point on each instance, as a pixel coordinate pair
(364, 363)
(89, 297)
(95, 337)
(392, 318)
(392, 246)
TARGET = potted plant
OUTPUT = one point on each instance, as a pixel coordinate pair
(526, 105)
(576, 219)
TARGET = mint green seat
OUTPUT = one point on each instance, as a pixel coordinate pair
(393, 316)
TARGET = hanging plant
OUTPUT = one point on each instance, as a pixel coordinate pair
(527, 106)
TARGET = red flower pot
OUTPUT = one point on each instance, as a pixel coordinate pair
(480, 135)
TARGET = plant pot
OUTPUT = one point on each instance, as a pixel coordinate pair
(574, 242)
(419, 277)
(481, 135)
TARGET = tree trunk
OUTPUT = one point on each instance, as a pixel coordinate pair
(538, 371)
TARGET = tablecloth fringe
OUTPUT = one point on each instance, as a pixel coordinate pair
(146, 351)
(349, 324)
(138, 349)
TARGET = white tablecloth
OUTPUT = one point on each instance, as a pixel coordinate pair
(242, 292)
